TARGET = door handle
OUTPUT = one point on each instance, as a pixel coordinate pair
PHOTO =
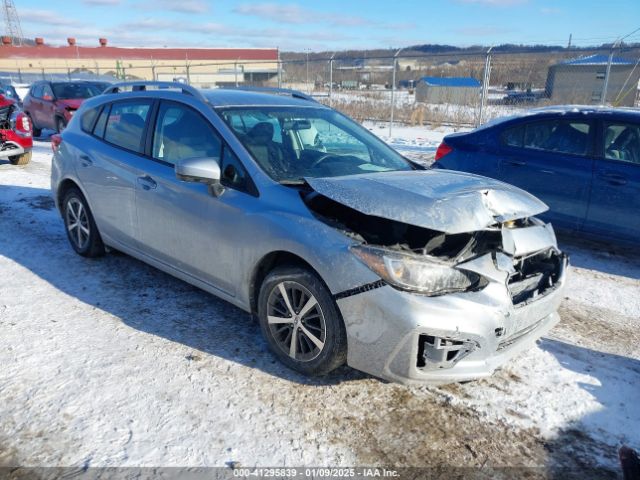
(147, 183)
(550, 172)
(516, 163)
(614, 179)
(85, 161)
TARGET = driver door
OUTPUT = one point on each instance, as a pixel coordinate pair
(181, 224)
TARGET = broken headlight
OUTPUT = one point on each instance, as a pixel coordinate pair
(416, 273)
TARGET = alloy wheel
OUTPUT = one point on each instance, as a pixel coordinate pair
(77, 223)
(296, 321)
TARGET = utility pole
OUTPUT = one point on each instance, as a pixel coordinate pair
(308, 89)
(12, 22)
(616, 44)
(279, 70)
(331, 78)
(569, 45)
(393, 89)
(485, 85)
(605, 87)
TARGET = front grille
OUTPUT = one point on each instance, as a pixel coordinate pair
(535, 276)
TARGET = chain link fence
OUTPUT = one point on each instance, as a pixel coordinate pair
(461, 89)
(467, 89)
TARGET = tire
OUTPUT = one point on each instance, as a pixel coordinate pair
(20, 159)
(35, 130)
(61, 124)
(321, 321)
(84, 238)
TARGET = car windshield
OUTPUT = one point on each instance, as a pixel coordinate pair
(66, 91)
(9, 91)
(291, 143)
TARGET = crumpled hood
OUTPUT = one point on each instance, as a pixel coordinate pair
(70, 102)
(442, 200)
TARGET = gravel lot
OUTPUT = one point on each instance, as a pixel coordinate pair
(110, 362)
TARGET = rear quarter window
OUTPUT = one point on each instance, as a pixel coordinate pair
(88, 119)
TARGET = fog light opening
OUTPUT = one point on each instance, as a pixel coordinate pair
(442, 352)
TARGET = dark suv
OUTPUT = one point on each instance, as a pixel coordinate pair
(52, 104)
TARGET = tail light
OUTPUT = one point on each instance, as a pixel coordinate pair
(23, 125)
(56, 140)
(443, 150)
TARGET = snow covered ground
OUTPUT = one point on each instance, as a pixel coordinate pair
(110, 362)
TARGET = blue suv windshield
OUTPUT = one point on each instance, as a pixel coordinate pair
(291, 143)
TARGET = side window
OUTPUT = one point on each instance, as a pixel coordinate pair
(622, 142)
(36, 91)
(89, 119)
(180, 132)
(233, 172)
(47, 93)
(125, 124)
(558, 136)
(513, 137)
(98, 130)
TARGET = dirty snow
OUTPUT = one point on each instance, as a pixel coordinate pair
(110, 362)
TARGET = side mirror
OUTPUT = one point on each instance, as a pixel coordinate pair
(201, 170)
(48, 98)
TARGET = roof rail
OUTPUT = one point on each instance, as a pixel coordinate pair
(276, 91)
(142, 85)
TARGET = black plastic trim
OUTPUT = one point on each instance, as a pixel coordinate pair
(355, 291)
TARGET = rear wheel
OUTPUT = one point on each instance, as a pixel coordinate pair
(20, 159)
(61, 124)
(81, 228)
(301, 322)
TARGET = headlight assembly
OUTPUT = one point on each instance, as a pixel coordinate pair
(416, 273)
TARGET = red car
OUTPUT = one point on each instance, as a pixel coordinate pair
(52, 104)
(16, 139)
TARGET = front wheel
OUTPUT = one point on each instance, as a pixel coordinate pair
(61, 124)
(81, 228)
(20, 159)
(301, 322)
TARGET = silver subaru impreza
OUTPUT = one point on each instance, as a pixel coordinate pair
(345, 251)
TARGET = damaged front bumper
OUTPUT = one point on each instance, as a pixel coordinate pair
(410, 338)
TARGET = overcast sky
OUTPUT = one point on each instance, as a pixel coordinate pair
(329, 24)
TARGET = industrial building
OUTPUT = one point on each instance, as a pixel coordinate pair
(201, 67)
(582, 80)
(456, 90)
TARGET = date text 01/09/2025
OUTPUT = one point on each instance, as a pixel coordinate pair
(315, 472)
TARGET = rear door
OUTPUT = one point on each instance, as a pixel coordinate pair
(615, 196)
(553, 160)
(109, 165)
(46, 112)
(35, 104)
